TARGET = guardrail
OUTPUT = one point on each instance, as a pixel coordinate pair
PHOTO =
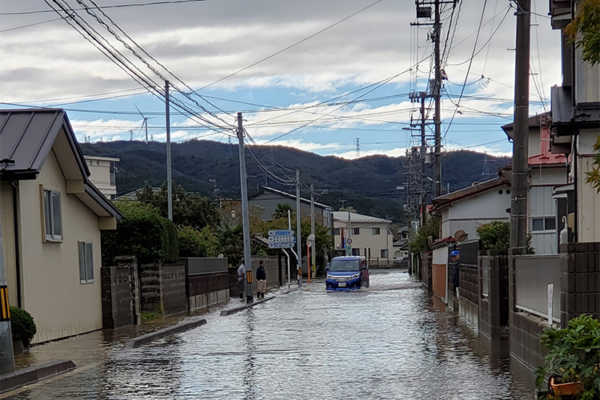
(533, 293)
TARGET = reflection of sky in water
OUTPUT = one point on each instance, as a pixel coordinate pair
(381, 344)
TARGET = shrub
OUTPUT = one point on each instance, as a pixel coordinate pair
(143, 233)
(22, 325)
(430, 229)
(573, 355)
(495, 237)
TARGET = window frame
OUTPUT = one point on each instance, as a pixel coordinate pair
(85, 251)
(336, 231)
(356, 231)
(375, 228)
(52, 215)
(545, 226)
(381, 253)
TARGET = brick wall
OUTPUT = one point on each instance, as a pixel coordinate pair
(118, 293)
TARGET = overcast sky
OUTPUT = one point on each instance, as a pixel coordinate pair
(46, 62)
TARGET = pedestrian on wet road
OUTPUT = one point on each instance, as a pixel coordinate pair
(261, 281)
(241, 271)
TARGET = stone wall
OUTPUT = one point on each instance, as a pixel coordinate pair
(119, 287)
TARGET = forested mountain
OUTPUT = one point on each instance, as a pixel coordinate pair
(368, 184)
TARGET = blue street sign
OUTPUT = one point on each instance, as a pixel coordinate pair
(281, 239)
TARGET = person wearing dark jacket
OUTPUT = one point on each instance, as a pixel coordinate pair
(261, 281)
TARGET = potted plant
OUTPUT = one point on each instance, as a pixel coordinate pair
(571, 366)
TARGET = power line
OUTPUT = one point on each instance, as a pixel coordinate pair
(117, 57)
(136, 54)
(469, 67)
(125, 5)
(328, 27)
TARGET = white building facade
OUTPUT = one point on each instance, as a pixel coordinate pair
(103, 174)
(366, 236)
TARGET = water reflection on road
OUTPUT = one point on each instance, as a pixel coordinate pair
(388, 342)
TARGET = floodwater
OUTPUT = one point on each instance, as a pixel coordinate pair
(388, 342)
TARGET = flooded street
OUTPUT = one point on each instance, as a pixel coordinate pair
(385, 343)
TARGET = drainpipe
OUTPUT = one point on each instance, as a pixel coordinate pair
(13, 185)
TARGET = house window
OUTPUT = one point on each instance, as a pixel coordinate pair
(336, 231)
(356, 231)
(384, 253)
(356, 252)
(543, 224)
(86, 262)
(52, 215)
(376, 231)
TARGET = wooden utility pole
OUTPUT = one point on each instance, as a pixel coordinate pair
(169, 162)
(437, 28)
(520, 168)
(245, 214)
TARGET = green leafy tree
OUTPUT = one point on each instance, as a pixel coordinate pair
(495, 237)
(194, 243)
(593, 176)
(188, 209)
(584, 30)
(282, 211)
(142, 232)
(430, 231)
(231, 242)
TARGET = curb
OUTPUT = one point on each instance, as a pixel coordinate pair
(36, 373)
(244, 307)
(171, 330)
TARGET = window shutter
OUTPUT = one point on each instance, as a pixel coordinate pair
(56, 216)
(89, 264)
(81, 248)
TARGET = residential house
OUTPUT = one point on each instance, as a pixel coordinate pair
(103, 174)
(51, 216)
(468, 208)
(365, 235)
(575, 128)
(547, 171)
(266, 201)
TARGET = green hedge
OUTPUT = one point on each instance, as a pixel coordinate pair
(22, 325)
(143, 233)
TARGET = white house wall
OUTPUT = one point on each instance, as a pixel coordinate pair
(366, 239)
(470, 213)
(52, 292)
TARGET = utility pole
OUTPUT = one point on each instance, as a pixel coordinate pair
(298, 228)
(7, 357)
(437, 28)
(288, 258)
(313, 251)
(169, 165)
(245, 217)
(349, 244)
(520, 170)
(146, 126)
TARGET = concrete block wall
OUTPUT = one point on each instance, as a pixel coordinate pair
(493, 309)
(118, 293)
(580, 281)
(272, 269)
(525, 346)
(150, 287)
(426, 265)
(172, 289)
(203, 302)
(468, 301)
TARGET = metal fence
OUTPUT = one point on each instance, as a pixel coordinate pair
(533, 275)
